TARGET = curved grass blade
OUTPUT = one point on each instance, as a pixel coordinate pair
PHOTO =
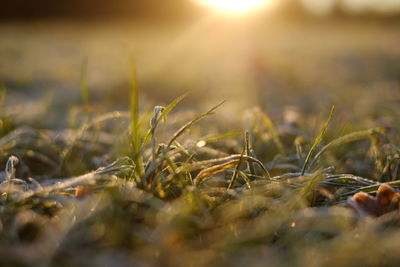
(351, 137)
(162, 116)
(214, 170)
(100, 119)
(203, 164)
(219, 137)
(270, 126)
(191, 123)
(317, 141)
(236, 172)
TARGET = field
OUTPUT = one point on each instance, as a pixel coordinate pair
(220, 142)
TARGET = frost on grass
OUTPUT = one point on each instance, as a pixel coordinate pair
(278, 194)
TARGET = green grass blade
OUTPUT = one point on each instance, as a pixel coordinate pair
(317, 141)
(271, 128)
(134, 97)
(219, 137)
(191, 123)
(162, 116)
(172, 105)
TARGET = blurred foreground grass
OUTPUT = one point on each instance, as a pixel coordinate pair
(174, 186)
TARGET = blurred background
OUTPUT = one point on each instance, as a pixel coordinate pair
(303, 53)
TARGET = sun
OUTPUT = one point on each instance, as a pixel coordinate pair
(235, 5)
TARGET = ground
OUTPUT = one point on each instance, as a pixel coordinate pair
(127, 155)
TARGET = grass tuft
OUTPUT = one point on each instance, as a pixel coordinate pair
(142, 194)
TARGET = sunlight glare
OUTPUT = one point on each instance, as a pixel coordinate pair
(235, 5)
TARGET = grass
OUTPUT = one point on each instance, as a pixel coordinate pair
(193, 182)
(175, 203)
